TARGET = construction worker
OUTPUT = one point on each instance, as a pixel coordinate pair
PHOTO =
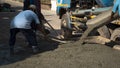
(26, 4)
(22, 23)
(116, 8)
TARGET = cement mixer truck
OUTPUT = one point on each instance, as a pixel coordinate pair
(75, 14)
(88, 18)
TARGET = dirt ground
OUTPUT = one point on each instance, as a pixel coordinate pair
(53, 54)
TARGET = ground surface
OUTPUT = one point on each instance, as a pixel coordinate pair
(53, 54)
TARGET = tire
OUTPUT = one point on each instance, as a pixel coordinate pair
(66, 32)
(104, 32)
(116, 35)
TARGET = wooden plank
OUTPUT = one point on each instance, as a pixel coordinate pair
(51, 37)
(96, 39)
(95, 23)
(116, 47)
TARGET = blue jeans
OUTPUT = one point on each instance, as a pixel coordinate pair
(28, 33)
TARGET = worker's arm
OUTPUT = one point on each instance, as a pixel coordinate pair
(40, 26)
(42, 29)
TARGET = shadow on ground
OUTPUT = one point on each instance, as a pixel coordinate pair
(22, 53)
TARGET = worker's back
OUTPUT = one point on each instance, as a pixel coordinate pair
(24, 20)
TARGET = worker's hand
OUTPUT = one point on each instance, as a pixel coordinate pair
(44, 21)
(45, 31)
(42, 29)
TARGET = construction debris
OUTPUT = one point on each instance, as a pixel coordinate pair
(117, 47)
(96, 23)
(97, 39)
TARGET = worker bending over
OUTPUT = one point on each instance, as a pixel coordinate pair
(22, 23)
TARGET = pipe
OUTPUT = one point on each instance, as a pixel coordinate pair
(96, 11)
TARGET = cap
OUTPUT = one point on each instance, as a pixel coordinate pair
(32, 7)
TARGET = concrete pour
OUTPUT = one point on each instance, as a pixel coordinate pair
(53, 54)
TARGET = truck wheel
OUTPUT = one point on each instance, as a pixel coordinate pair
(66, 32)
(104, 32)
(116, 35)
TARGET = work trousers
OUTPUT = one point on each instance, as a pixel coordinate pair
(29, 34)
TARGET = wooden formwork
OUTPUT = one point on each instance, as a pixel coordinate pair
(102, 40)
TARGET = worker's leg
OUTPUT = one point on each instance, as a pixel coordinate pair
(26, 4)
(115, 7)
(12, 39)
(31, 38)
(119, 10)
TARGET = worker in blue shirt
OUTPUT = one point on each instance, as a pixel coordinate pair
(116, 8)
(22, 23)
(41, 17)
